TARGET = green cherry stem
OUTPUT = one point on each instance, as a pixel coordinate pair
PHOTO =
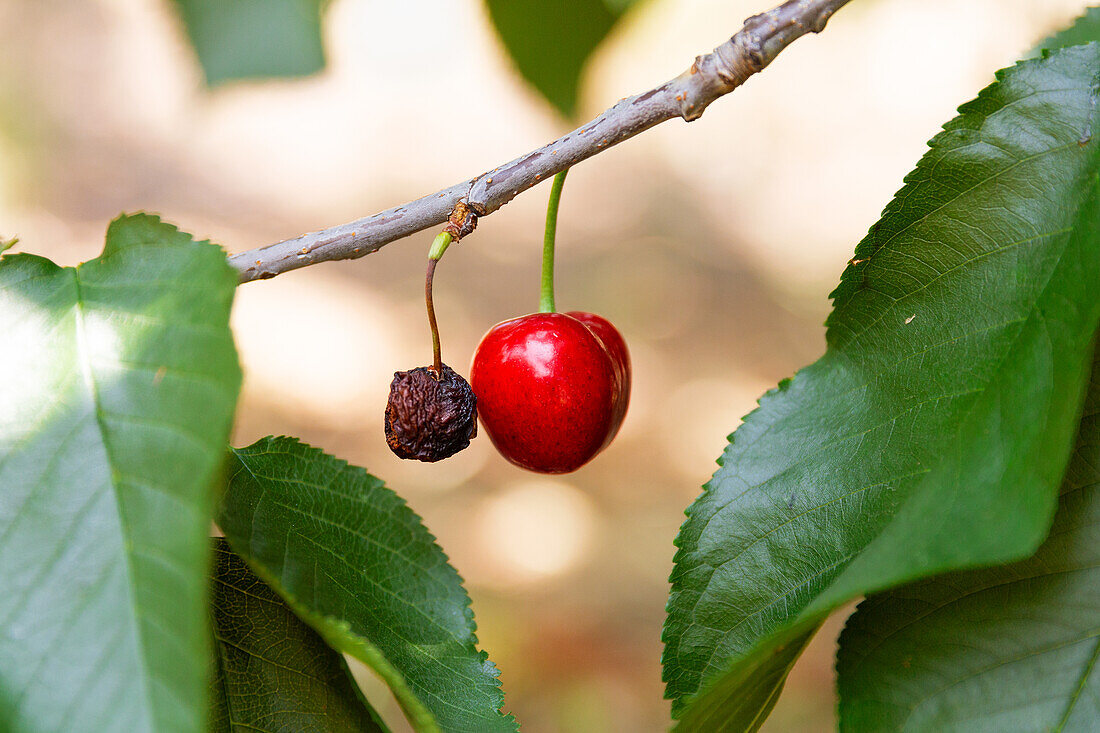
(439, 246)
(546, 296)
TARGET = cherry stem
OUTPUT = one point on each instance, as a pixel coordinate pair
(439, 246)
(546, 296)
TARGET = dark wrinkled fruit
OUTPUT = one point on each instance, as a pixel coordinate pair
(430, 419)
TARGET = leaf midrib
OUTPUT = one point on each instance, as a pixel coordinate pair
(1080, 688)
(477, 681)
(266, 660)
(1089, 194)
(989, 668)
(222, 662)
(84, 359)
(993, 373)
(337, 631)
(414, 608)
(977, 591)
(702, 686)
(419, 715)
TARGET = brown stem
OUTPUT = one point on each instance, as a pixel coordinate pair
(748, 51)
(436, 351)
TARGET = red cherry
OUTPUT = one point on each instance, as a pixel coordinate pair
(620, 358)
(549, 392)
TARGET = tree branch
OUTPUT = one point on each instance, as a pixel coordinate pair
(751, 49)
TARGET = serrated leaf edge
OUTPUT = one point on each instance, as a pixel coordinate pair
(337, 632)
(848, 284)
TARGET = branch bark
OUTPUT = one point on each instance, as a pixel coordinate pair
(747, 52)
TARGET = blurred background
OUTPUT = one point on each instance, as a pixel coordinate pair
(712, 246)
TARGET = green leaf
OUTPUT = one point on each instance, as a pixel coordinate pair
(118, 380)
(249, 39)
(350, 558)
(549, 42)
(1011, 648)
(273, 672)
(748, 693)
(934, 432)
(1085, 29)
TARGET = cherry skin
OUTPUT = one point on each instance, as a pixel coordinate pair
(549, 392)
(620, 358)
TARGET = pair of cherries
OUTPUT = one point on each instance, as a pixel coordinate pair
(552, 388)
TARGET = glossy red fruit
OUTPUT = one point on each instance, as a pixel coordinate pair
(551, 393)
(620, 359)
